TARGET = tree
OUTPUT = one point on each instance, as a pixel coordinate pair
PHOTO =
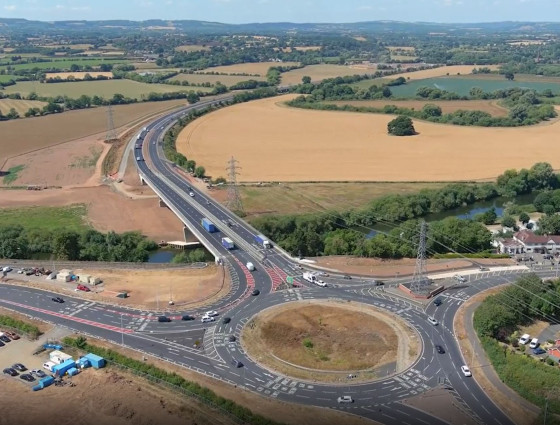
(199, 171)
(306, 79)
(524, 218)
(488, 217)
(401, 126)
(509, 76)
(508, 221)
(431, 110)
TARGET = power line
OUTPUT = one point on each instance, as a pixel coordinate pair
(111, 135)
(233, 197)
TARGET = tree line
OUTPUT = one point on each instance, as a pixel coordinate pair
(343, 232)
(88, 245)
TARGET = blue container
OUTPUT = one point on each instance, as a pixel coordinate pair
(46, 381)
(73, 371)
(96, 361)
(37, 388)
(83, 362)
(62, 368)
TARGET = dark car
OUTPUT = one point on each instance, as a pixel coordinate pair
(255, 292)
(19, 366)
(163, 319)
(226, 320)
(236, 363)
(438, 301)
(187, 317)
(2, 344)
(57, 299)
(440, 349)
(379, 283)
(10, 371)
(232, 338)
(27, 377)
(538, 350)
(4, 338)
(347, 277)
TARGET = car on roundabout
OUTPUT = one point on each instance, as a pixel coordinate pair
(211, 313)
(345, 399)
(432, 321)
(255, 292)
(440, 349)
(466, 371)
(226, 320)
(206, 319)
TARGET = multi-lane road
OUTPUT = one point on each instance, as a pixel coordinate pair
(176, 341)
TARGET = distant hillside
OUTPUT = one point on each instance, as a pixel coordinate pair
(23, 26)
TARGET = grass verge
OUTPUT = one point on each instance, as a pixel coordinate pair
(71, 217)
(13, 174)
(31, 331)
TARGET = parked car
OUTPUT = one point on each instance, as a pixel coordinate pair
(2, 344)
(27, 377)
(466, 371)
(84, 288)
(432, 321)
(57, 299)
(7, 269)
(163, 319)
(255, 292)
(19, 366)
(10, 371)
(211, 313)
(525, 338)
(39, 373)
(539, 350)
(226, 320)
(187, 317)
(534, 343)
(4, 338)
(12, 335)
(440, 349)
(345, 399)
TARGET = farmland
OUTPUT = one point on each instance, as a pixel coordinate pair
(357, 146)
(71, 217)
(320, 72)
(77, 75)
(227, 80)
(104, 88)
(253, 68)
(191, 48)
(447, 106)
(19, 137)
(65, 63)
(21, 106)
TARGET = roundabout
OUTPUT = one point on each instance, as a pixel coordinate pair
(329, 341)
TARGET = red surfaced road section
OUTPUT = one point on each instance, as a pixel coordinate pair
(74, 319)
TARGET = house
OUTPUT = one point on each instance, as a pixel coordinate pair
(554, 352)
(537, 243)
(509, 246)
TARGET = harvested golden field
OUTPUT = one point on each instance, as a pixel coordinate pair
(447, 106)
(255, 68)
(77, 75)
(346, 146)
(307, 48)
(191, 48)
(441, 71)
(227, 80)
(401, 48)
(321, 72)
(25, 135)
(21, 106)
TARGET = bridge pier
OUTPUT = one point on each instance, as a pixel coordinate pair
(162, 204)
(142, 181)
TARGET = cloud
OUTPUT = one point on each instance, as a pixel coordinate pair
(10, 7)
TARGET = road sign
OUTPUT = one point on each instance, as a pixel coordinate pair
(290, 280)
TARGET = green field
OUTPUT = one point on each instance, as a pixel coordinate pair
(227, 80)
(301, 198)
(6, 78)
(66, 63)
(103, 88)
(46, 218)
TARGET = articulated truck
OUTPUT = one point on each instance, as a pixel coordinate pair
(263, 240)
(208, 225)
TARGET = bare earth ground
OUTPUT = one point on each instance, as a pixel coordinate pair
(21, 106)
(321, 72)
(441, 71)
(394, 268)
(447, 106)
(316, 143)
(104, 397)
(147, 289)
(366, 350)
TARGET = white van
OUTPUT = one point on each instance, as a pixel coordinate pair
(49, 366)
(250, 266)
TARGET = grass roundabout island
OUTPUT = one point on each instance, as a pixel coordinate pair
(328, 341)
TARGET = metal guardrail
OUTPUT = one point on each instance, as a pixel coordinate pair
(101, 264)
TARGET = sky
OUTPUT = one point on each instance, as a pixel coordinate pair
(248, 11)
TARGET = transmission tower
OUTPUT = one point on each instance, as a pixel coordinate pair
(233, 198)
(420, 278)
(111, 132)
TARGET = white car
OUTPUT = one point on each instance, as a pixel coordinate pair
(466, 371)
(524, 339)
(211, 313)
(191, 194)
(345, 399)
(534, 343)
(7, 269)
(319, 282)
(432, 320)
(460, 278)
(206, 319)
